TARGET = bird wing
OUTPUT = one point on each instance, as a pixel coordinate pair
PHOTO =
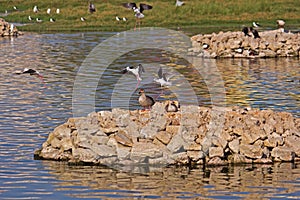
(144, 7)
(141, 69)
(160, 73)
(167, 76)
(129, 5)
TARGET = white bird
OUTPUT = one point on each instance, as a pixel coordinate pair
(52, 20)
(163, 78)
(15, 8)
(138, 11)
(48, 11)
(82, 19)
(11, 28)
(255, 24)
(179, 3)
(35, 9)
(29, 18)
(57, 11)
(117, 18)
(38, 20)
(124, 19)
(280, 23)
(136, 71)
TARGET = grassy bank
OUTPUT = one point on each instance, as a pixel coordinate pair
(195, 13)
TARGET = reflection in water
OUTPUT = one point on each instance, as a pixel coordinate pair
(247, 181)
(31, 109)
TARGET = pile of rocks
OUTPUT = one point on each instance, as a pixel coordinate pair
(192, 135)
(7, 29)
(237, 45)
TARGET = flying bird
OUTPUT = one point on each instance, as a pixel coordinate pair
(145, 100)
(136, 71)
(30, 71)
(138, 11)
(163, 78)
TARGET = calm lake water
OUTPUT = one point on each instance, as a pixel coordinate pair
(31, 108)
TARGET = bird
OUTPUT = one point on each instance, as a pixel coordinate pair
(138, 11)
(52, 20)
(35, 9)
(255, 24)
(48, 11)
(29, 18)
(57, 11)
(124, 19)
(163, 78)
(38, 20)
(136, 71)
(249, 30)
(117, 18)
(255, 33)
(82, 19)
(145, 100)
(280, 24)
(171, 106)
(31, 72)
(11, 28)
(179, 3)
(92, 8)
(15, 8)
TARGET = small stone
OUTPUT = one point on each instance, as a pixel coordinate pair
(216, 152)
(164, 137)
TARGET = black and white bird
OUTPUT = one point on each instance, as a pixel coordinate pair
(82, 19)
(255, 24)
(124, 19)
(249, 31)
(138, 11)
(52, 20)
(30, 71)
(163, 78)
(92, 7)
(39, 20)
(48, 11)
(179, 3)
(118, 18)
(172, 106)
(35, 9)
(136, 71)
(29, 18)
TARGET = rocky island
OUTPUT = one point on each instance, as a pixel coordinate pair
(8, 29)
(191, 135)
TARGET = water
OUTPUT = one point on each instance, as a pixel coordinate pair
(30, 109)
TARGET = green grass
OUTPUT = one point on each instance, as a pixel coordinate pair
(196, 13)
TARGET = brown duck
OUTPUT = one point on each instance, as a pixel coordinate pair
(145, 100)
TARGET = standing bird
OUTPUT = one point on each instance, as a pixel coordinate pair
(35, 9)
(57, 11)
(82, 19)
(280, 24)
(39, 20)
(163, 78)
(48, 11)
(52, 20)
(92, 8)
(136, 71)
(29, 18)
(255, 24)
(117, 18)
(171, 106)
(179, 3)
(138, 11)
(255, 33)
(124, 19)
(145, 100)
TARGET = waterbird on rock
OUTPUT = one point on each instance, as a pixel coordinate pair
(280, 24)
(136, 71)
(248, 31)
(138, 11)
(145, 100)
(171, 106)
